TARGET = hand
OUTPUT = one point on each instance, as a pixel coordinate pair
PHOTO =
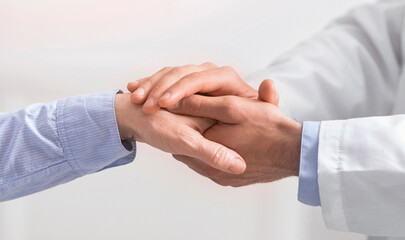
(175, 134)
(171, 84)
(267, 139)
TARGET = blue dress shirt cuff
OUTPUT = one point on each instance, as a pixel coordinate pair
(89, 134)
(308, 188)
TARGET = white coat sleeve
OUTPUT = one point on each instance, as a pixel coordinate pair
(349, 69)
(361, 175)
(354, 69)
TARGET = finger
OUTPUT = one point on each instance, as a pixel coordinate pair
(201, 124)
(220, 133)
(204, 170)
(139, 96)
(195, 164)
(161, 85)
(225, 134)
(215, 82)
(268, 92)
(132, 86)
(224, 109)
(215, 155)
(276, 98)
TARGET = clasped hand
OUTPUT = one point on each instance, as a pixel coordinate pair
(232, 134)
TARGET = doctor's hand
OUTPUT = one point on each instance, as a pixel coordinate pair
(175, 134)
(268, 140)
(171, 84)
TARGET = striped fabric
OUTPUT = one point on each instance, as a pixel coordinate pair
(45, 145)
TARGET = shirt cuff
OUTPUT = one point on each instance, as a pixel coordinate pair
(308, 188)
(89, 134)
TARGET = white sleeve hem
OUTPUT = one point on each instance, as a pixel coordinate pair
(329, 168)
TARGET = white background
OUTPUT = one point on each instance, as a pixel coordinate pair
(51, 49)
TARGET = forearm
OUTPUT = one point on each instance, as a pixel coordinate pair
(45, 145)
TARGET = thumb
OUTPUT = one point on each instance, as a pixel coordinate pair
(218, 156)
(268, 92)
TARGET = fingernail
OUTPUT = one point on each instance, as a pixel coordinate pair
(140, 92)
(150, 102)
(165, 96)
(175, 106)
(238, 166)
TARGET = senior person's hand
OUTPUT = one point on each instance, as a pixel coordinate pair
(171, 84)
(175, 134)
(268, 140)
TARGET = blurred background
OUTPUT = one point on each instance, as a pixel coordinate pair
(52, 49)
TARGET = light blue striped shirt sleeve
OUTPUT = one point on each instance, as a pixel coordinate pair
(308, 188)
(45, 145)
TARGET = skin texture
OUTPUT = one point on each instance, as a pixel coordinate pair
(259, 131)
(171, 84)
(269, 141)
(175, 134)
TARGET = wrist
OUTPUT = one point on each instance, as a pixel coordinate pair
(292, 130)
(296, 148)
(127, 116)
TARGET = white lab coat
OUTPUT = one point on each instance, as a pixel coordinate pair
(351, 76)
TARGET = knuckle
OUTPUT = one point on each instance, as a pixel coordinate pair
(230, 106)
(177, 71)
(209, 64)
(228, 100)
(218, 159)
(193, 104)
(190, 141)
(147, 81)
(228, 69)
(165, 69)
(231, 72)
(179, 106)
(195, 75)
(147, 85)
